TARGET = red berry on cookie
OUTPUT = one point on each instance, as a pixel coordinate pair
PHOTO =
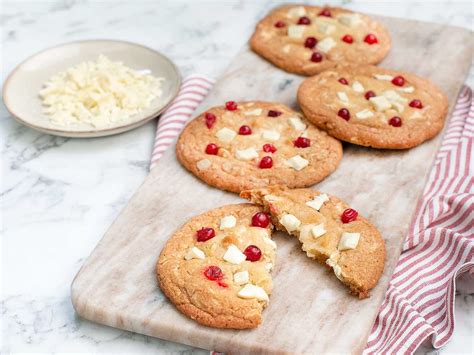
(212, 149)
(213, 273)
(266, 163)
(210, 119)
(316, 57)
(398, 80)
(343, 81)
(369, 94)
(269, 148)
(245, 130)
(231, 105)
(280, 24)
(416, 104)
(310, 42)
(395, 121)
(344, 113)
(347, 39)
(302, 142)
(260, 219)
(274, 113)
(325, 12)
(253, 253)
(371, 39)
(205, 233)
(304, 21)
(349, 215)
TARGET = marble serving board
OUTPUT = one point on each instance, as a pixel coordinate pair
(309, 310)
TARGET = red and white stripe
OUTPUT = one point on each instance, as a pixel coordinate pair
(192, 92)
(438, 249)
(440, 243)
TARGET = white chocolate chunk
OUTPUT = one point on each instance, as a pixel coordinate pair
(383, 77)
(203, 164)
(246, 154)
(250, 291)
(255, 112)
(297, 123)
(241, 278)
(336, 268)
(398, 106)
(380, 103)
(326, 44)
(225, 135)
(272, 198)
(228, 222)
(416, 114)
(326, 28)
(366, 113)
(348, 241)
(350, 20)
(305, 231)
(318, 201)
(297, 162)
(342, 96)
(195, 253)
(269, 267)
(296, 11)
(290, 222)
(318, 230)
(398, 102)
(312, 231)
(296, 31)
(270, 242)
(393, 96)
(233, 255)
(271, 136)
(408, 89)
(357, 87)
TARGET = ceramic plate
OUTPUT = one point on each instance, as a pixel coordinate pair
(20, 91)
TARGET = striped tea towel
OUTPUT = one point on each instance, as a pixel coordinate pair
(192, 92)
(440, 243)
(438, 249)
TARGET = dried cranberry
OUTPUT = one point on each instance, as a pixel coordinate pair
(253, 253)
(231, 105)
(269, 148)
(302, 142)
(349, 215)
(260, 219)
(344, 113)
(213, 273)
(371, 39)
(266, 163)
(205, 233)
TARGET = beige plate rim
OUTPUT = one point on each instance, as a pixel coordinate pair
(93, 132)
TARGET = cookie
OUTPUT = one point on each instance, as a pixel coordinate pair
(374, 107)
(310, 39)
(253, 144)
(330, 232)
(216, 268)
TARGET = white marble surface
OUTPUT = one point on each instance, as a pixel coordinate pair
(60, 195)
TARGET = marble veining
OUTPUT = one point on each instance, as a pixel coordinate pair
(60, 195)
